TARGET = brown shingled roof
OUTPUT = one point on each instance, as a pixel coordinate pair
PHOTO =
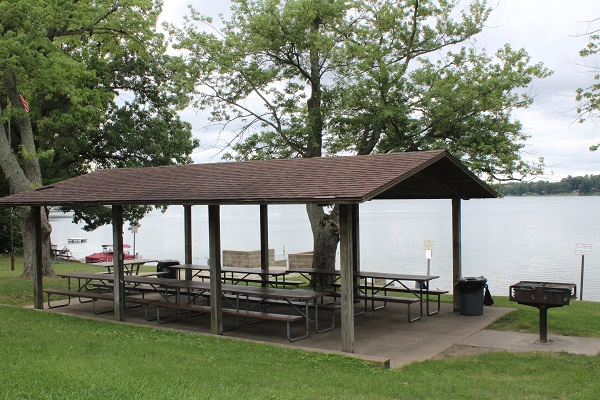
(351, 179)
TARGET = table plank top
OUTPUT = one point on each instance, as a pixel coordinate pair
(299, 294)
(135, 261)
(88, 275)
(239, 270)
(366, 274)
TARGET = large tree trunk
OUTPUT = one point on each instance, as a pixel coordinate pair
(29, 249)
(326, 236)
(25, 177)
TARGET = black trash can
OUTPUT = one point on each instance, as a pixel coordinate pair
(163, 266)
(470, 290)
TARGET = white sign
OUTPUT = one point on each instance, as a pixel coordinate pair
(583, 249)
(428, 245)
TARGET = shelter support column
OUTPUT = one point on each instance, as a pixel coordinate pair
(214, 243)
(356, 247)
(119, 278)
(347, 263)
(38, 287)
(187, 238)
(456, 249)
(264, 243)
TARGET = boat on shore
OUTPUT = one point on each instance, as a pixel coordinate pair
(77, 240)
(107, 254)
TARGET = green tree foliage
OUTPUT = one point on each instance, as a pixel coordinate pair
(304, 78)
(99, 84)
(578, 185)
(589, 98)
(9, 239)
(6, 246)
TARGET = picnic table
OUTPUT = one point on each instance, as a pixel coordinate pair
(59, 254)
(93, 287)
(130, 266)
(243, 300)
(374, 287)
(236, 275)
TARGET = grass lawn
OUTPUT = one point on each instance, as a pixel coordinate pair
(53, 356)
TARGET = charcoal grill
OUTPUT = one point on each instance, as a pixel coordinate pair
(543, 295)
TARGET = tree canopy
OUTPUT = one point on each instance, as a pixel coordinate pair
(98, 83)
(589, 98)
(571, 185)
(302, 78)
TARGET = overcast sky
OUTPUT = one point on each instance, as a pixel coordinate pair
(548, 30)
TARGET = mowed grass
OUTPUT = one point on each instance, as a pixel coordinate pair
(53, 356)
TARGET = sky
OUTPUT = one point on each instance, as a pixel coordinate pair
(552, 33)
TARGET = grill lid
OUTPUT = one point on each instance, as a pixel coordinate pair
(550, 294)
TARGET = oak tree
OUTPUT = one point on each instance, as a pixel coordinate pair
(303, 78)
(84, 85)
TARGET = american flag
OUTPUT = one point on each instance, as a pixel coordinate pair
(24, 102)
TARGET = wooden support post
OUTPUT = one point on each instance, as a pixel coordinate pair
(187, 238)
(214, 243)
(456, 250)
(356, 246)
(38, 266)
(347, 252)
(118, 267)
(264, 244)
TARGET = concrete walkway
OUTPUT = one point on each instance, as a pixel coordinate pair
(515, 341)
(383, 336)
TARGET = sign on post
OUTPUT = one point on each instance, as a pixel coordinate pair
(582, 249)
(428, 247)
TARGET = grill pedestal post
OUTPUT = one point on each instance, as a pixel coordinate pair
(543, 325)
(543, 295)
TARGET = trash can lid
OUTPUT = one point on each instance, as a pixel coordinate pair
(470, 284)
(167, 262)
(472, 279)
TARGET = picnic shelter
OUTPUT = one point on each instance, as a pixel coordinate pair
(345, 181)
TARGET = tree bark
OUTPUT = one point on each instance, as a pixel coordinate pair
(326, 236)
(324, 226)
(24, 178)
(25, 213)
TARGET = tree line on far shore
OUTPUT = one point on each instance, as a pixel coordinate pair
(578, 185)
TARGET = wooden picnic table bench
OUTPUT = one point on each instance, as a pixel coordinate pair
(205, 309)
(193, 288)
(94, 296)
(368, 290)
(273, 283)
(242, 292)
(427, 292)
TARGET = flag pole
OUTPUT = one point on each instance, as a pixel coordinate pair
(12, 236)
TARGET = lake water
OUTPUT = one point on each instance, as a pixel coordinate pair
(505, 240)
